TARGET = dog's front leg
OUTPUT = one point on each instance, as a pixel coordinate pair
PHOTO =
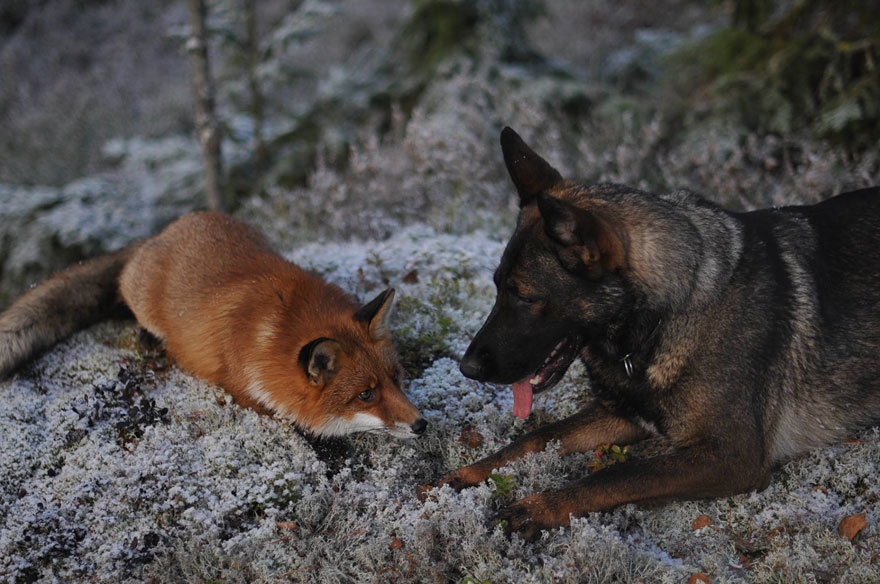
(692, 473)
(578, 433)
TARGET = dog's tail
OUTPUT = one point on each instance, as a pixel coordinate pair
(66, 302)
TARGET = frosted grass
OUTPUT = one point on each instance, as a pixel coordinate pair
(153, 476)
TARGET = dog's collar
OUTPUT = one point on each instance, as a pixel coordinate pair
(627, 359)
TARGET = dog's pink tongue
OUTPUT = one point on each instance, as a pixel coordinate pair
(522, 399)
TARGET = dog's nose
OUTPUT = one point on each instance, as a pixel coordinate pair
(418, 427)
(471, 366)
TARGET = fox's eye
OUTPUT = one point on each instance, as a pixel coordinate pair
(367, 395)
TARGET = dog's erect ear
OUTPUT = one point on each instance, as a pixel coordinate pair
(588, 240)
(377, 313)
(530, 173)
(319, 359)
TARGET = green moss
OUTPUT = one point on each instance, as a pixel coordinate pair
(729, 52)
(419, 348)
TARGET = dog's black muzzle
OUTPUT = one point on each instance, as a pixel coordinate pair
(472, 366)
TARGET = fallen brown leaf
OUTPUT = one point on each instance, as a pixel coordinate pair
(851, 525)
(701, 522)
(470, 437)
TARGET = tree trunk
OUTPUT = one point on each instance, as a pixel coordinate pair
(207, 127)
(254, 84)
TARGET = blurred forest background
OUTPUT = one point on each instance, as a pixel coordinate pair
(350, 118)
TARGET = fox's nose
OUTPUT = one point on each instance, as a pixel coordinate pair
(418, 427)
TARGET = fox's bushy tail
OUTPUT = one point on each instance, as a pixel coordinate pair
(66, 302)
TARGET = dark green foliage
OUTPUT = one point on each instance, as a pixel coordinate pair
(436, 28)
(750, 14)
(439, 28)
(806, 66)
(504, 485)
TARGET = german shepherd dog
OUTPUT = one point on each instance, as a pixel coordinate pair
(745, 339)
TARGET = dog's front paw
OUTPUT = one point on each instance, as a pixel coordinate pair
(467, 476)
(528, 517)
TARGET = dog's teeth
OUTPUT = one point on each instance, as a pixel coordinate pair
(535, 380)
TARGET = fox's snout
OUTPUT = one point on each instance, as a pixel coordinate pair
(419, 426)
(364, 422)
(415, 430)
(403, 429)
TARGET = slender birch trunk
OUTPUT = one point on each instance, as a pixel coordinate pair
(254, 84)
(207, 126)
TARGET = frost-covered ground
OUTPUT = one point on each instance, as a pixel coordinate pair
(115, 467)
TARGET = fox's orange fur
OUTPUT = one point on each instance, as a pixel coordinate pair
(232, 311)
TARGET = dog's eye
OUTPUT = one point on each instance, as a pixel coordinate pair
(367, 395)
(526, 299)
(522, 298)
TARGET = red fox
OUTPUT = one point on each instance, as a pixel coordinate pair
(230, 310)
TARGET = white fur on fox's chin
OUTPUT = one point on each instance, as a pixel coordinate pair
(361, 422)
(335, 425)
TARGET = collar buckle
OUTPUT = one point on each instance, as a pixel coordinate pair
(628, 365)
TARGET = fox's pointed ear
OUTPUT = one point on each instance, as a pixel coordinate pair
(530, 173)
(377, 313)
(586, 238)
(320, 359)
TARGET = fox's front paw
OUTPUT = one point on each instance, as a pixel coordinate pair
(527, 517)
(463, 478)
